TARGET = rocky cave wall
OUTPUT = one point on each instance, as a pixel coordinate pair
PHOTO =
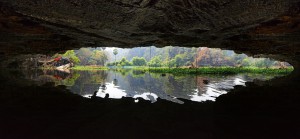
(268, 28)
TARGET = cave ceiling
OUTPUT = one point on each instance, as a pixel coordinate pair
(269, 27)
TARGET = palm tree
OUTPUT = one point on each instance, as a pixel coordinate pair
(115, 51)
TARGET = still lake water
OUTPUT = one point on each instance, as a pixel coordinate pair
(148, 86)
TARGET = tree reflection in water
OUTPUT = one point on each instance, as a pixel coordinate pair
(150, 86)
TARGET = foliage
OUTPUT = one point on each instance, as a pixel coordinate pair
(264, 63)
(178, 60)
(99, 57)
(84, 55)
(115, 51)
(89, 68)
(168, 57)
(111, 64)
(155, 62)
(246, 62)
(72, 56)
(139, 61)
(124, 62)
(212, 57)
(217, 70)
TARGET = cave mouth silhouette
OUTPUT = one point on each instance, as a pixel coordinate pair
(268, 109)
(169, 73)
(262, 105)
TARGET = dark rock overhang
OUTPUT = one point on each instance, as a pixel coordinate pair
(253, 27)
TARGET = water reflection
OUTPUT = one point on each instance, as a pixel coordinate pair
(147, 86)
(112, 91)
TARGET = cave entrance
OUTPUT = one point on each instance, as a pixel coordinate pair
(148, 73)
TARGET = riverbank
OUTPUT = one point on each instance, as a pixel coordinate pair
(89, 68)
(216, 70)
(202, 70)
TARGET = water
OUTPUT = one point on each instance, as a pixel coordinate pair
(30, 110)
(147, 86)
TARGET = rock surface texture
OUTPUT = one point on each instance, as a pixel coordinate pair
(266, 27)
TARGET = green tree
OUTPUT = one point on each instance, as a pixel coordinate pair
(268, 62)
(115, 52)
(92, 62)
(155, 62)
(99, 57)
(72, 56)
(179, 60)
(84, 55)
(172, 63)
(259, 63)
(139, 61)
(246, 62)
(124, 62)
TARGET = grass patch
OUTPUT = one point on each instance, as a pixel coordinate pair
(89, 68)
(215, 70)
(201, 70)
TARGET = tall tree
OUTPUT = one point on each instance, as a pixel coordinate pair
(84, 55)
(99, 57)
(124, 62)
(115, 51)
(155, 61)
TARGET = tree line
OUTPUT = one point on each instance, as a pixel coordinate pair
(191, 57)
(166, 57)
(86, 56)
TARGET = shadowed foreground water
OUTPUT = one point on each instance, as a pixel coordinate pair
(30, 110)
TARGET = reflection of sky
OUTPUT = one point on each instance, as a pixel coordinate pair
(212, 93)
(239, 81)
(112, 90)
(213, 90)
(150, 89)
